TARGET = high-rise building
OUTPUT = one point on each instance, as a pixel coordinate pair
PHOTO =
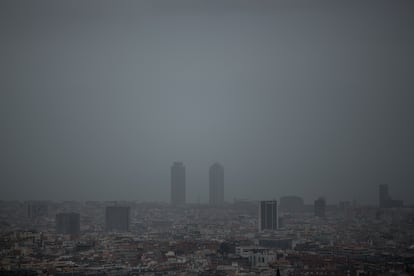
(268, 217)
(216, 181)
(384, 195)
(68, 223)
(178, 183)
(320, 207)
(385, 200)
(117, 218)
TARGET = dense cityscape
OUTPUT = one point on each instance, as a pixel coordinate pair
(207, 137)
(269, 237)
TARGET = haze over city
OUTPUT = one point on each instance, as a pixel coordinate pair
(307, 98)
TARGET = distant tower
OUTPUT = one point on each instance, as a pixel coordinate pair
(385, 200)
(268, 217)
(177, 183)
(216, 181)
(68, 223)
(384, 196)
(117, 218)
(320, 207)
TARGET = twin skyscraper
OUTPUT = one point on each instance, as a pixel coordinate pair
(178, 184)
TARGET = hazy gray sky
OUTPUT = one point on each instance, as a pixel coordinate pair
(309, 98)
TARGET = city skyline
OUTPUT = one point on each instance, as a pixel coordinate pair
(207, 137)
(294, 99)
(178, 192)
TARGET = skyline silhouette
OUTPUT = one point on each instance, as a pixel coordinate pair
(309, 99)
(207, 137)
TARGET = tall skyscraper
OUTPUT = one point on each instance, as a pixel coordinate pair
(117, 218)
(216, 181)
(384, 196)
(385, 200)
(68, 223)
(177, 183)
(268, 217)
(320, 207)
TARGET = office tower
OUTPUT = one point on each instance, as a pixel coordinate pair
(384, 196)
(291, 204)
(216, 181)
(177, 183)
(68, 223)
(268, 217)
(385, 200)
(320, 207)
(117, 218)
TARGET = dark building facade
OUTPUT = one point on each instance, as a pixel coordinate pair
(117, 218)
(268, 216)
(320, 207)
(216, 184)
(68, 223)
(178, 189)
(276, 243)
